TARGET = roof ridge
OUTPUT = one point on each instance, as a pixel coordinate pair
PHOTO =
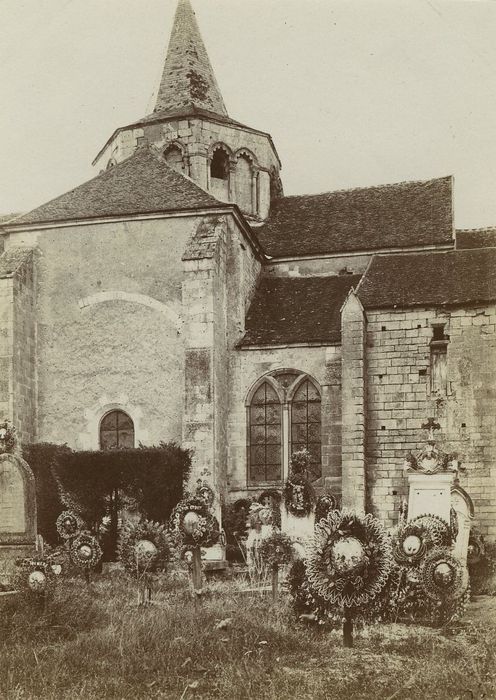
(367, 187)
(491, 227)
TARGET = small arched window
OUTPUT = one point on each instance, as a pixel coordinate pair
(174, 158)
(116, 431)
(306, 425)
(265, 447)
(219, 167)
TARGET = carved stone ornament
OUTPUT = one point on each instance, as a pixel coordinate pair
(431, 460)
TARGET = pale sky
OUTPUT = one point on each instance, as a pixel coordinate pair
(354, 92)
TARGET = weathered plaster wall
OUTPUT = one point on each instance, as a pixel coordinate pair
(400, 400)
(17, 349)
(24, 357)
(109, 330)
(247, 366)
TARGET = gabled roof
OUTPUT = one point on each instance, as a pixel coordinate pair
(297, 310)
(143, 183)
(188, 78)
(476, 238)
(388, 216)
(430, 279)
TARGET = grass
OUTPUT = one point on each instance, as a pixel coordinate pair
(94, 642)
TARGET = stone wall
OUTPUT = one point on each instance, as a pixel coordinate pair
(219, 280)
(247, 367)
(400, 399)
(251, 156)
(17, 343)
(354, 388)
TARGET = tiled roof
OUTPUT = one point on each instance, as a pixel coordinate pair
(6, 217)
(430, 279)
(143, 183)
(188, 77)
(476, 238)
(12, 259)
(388, 216)
(297, 310)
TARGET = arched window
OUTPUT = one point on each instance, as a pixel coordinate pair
(174, 158)
(265, 444)
(284, 416)
(306, 424)
(116, 431)
(219, 167)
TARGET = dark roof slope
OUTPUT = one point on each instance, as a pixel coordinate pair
(297, 310)
(401, 215)
(476, 238)
(4, 218)
(143, 183)
(430, 279)
(12, 258)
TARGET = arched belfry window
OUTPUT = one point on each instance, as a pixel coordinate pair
(306, 425)
(219, 167)
(116, 431)
(265, 452)
(284, 416)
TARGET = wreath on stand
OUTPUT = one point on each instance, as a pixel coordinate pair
(192, 524)
(68, 525)
(299, 495)
(144, 548)
(85, 552)
(36, 578)
(348, 565)
(350, 559)
(276, 550)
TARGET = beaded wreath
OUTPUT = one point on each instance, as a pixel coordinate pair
(276, 550)
(85, 551)
(349, 560)
(443, 577)
(69, 525)
(204, 529)
(144, 547)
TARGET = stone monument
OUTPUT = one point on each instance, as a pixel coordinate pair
(17, 504)
(434, 490)
(431, 474)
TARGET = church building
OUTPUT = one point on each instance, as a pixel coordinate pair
(180, 296)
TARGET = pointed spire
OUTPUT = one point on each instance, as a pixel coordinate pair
(188, 79)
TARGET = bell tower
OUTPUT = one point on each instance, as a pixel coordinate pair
(192, 130)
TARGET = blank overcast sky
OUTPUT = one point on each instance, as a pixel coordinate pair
(354, 92)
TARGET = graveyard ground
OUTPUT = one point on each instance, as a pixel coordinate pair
(94, 642)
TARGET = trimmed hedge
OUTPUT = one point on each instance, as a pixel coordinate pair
(149, 480)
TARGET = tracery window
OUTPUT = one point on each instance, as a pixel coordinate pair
(116, 431)
(306, 424)
(284, 415)
(265, 450)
